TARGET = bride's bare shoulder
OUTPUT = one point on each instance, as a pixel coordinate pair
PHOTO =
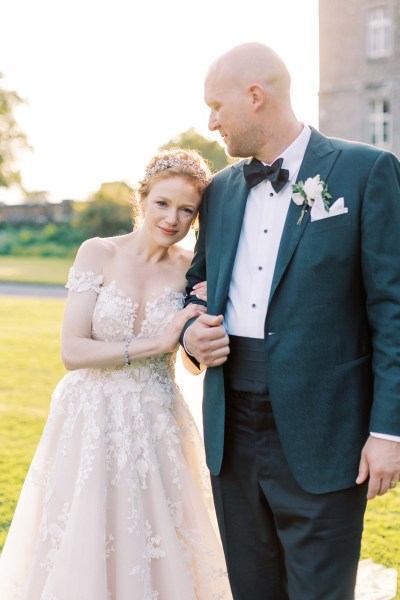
(183, 256)
(93, 253)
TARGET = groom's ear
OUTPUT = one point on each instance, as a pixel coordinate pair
(257, 95)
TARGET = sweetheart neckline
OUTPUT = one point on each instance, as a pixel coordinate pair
(116, 291)
(166, 290)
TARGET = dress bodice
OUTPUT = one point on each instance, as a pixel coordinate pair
(115, 312)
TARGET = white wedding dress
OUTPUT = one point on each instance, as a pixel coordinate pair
(117, 503)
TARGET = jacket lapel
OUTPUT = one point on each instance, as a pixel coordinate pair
(232, 209)
(318, 158)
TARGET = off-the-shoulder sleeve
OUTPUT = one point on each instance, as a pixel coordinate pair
(83, 281)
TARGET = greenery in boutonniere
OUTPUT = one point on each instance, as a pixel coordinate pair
(306, 192)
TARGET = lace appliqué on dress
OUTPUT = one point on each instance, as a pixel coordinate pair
(83, 281)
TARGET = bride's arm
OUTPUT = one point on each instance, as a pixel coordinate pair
(78, 349)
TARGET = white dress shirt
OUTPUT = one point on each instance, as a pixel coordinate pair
(261, 233)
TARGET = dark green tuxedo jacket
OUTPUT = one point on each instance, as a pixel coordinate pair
(332, 331)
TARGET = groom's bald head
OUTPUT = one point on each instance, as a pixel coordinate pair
(253, 63)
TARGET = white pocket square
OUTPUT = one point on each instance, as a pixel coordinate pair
(318, 210)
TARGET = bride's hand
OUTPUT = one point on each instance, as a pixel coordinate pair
(171, 336)
(200, 291)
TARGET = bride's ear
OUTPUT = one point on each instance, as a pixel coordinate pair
(195, 224)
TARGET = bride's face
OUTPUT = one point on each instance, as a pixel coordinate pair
(169, 209)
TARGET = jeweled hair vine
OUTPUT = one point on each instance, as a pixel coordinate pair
(175, 162)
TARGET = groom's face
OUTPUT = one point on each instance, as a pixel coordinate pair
(231, 115)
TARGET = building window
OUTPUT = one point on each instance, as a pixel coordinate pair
(379, 123)
(378, 32)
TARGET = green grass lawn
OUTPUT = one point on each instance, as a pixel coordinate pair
(35, 269)
(30, 366)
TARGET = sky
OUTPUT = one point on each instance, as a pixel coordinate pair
(106, 82)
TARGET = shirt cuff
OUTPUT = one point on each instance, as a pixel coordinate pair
(185, 348)
(386, 436)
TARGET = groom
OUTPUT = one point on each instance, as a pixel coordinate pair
(302, 337)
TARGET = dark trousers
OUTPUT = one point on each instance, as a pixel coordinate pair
(280, 541)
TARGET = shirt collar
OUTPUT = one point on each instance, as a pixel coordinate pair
(294, 154)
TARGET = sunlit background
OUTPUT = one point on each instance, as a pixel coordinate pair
(108, 82)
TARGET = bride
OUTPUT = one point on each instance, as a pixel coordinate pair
(117, 504)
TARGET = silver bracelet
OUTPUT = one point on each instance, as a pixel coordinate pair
(126, 353)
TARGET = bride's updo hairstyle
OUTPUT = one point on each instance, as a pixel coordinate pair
(172, 162)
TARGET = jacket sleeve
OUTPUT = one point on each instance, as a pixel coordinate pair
(380, 255)
(197, 271)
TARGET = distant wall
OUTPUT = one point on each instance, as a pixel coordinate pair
(38, 213)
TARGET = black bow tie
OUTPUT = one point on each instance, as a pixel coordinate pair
(255, 172)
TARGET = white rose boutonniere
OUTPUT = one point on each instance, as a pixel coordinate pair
(306, 192)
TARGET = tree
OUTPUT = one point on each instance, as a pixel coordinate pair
(211, 150)
(108, 212)
(12, 139)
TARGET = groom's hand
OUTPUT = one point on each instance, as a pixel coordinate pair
(207, 340)
(380, 460)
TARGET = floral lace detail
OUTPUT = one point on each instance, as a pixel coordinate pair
(53, 533)
(153, 551)
(121, 445)
(115, 314)
(83, 281)
(160, 311)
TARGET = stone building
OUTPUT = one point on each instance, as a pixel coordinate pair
(36, 212)
(359, 96)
